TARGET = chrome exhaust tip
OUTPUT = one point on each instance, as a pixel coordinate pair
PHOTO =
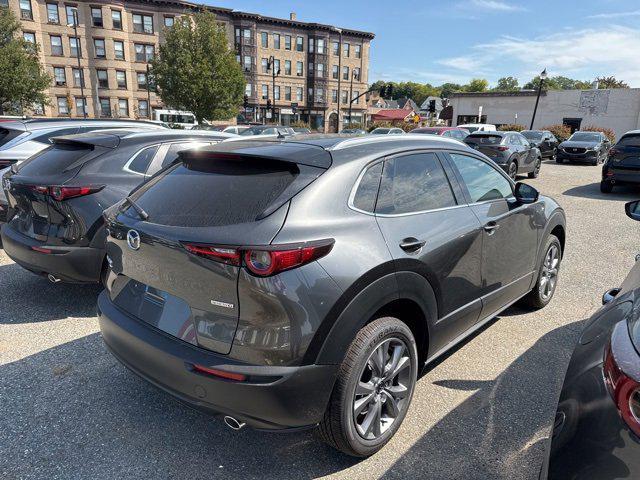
(52, 278)
(232, 423)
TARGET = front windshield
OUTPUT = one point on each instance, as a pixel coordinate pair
(585, 137)
(532, 135)
(258, 131)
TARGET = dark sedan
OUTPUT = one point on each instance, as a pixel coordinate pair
(623, 163)
(588, 147)
(596, 431)
(510, 150)
(546, 142)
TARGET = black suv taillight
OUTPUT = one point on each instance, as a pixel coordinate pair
(60, 192)
(624, 390)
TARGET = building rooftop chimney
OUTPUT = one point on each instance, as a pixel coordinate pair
(292, 16)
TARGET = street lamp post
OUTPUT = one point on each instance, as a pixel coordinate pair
(271, 65)
(148, 93)
(339, 30)
(80, 71)
(351, 95)
(543, 76)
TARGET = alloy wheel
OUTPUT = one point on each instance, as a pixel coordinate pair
(549, 274)
(536, 169)
(383, 387)
(513, 170)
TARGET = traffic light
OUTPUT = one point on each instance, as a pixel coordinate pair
(245, 103)
(432, 106)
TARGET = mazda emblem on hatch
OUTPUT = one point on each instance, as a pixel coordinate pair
(133, 240)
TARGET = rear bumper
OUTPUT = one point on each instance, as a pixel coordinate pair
(70, 264)
(272, 398)
(621, 175)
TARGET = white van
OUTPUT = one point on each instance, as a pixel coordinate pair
(186, 120)
(478, 127)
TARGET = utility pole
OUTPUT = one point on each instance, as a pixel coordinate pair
(148, 93)
(543, 76)
(81, 72)
(339, 30)
(272, 65)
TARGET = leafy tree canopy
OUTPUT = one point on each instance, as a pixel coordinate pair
(507, 84)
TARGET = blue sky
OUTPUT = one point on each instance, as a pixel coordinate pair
(456, 40)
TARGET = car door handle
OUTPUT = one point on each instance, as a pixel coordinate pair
(411, 244)
(491, 227)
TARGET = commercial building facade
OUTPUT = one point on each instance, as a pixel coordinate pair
(100, 64)
(617, 109)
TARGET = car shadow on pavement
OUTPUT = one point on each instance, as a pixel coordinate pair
(625, 193)
(501, 430)
(29, 298)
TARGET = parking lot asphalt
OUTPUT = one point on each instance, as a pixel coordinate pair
(69, 410)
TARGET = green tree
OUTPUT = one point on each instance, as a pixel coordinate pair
(477, 85)
(197, 71)
(22, 79)
(507, 84)
(610, 82)
(446, 89)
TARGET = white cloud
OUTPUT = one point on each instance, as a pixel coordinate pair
(496, 5)
(635, 13)
(466, 63)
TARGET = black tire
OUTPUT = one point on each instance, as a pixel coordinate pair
(512, 169)
(536, 169)
(606, 187)
(536, 299)
(554, 154)
(558, 159)
(338, 426)
(104, 273)
(595, 161)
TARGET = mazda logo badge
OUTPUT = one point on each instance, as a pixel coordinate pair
(133, 240)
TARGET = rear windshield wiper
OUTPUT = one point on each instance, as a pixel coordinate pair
(141, 213)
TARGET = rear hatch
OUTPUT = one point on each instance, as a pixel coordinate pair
(28, 186)
(626, 153)
(210, 199)
(490, 145)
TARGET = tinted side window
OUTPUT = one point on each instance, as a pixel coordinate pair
(482, 180)
(176, 148)
(413, 183)
(367, 192)
(54, 159)
(142, 159)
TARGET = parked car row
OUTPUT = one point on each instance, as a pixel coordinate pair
(234, 268)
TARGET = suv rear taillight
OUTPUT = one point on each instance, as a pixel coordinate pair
(264, 261)
(60, 193)
(624, 390)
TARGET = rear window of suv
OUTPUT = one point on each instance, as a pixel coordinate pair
(210, 191)
(484, 139)
(629, 141)
(54, 159)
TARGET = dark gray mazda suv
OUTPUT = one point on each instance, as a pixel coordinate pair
(296, 283)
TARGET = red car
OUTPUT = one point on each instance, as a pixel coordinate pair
(452, 132)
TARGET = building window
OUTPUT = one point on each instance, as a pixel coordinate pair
(358, 51)
(265, 92)
(287, 42)
(246, 34)
(276, 65)
(264, 39)
(320, 70)
(63, 106)
(347, 49)
(59, 76)
(96, 17)
(287, 67)
(299, 94)
(116, 19)
(248, 63)
(105, 107)
(142, 23)
(118, 49)
(121, 79)
(335, 73)
(356, 94)
(248, 90)
(276, 41)
(144, 53)
(103, 78)
(345, 96)
(29, 37)
(311, 67)
(265, 65)
(319, 95)
(142, 80)
(310, 94)
(37, 108)
(320, 46)
(56, 45)
(299, 69)
(311, 45)
(25, 10)
(72, 15)
(334, 96)
(336, 48)
(169, 21)
(98, 45)
(78, 77)
(52, 13)
(76, 50)
(81, 106)
(345, 73)
(276, 92)
(299, 44)
(287, 93)
(143, 108)
(356, 73)
(123, 107)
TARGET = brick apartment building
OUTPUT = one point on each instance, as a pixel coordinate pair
(318, 65)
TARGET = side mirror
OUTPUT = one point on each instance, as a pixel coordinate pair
(527, 194)
(633, 210)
